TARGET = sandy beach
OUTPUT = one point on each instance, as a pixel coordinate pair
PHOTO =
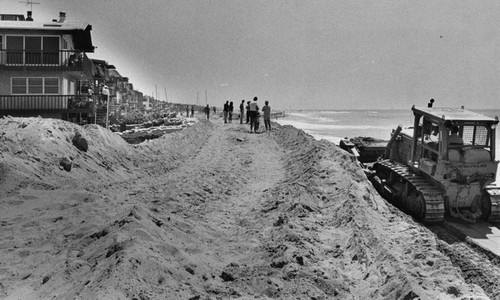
(208, 212)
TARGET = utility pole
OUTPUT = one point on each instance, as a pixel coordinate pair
(105, 92)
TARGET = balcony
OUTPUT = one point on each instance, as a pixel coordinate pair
(39, 60)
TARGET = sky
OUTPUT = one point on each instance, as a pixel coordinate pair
(307, 54)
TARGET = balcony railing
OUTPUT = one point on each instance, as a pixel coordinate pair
(67, 60)
(50, 102)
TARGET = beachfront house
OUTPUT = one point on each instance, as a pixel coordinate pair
(120, 91)
(45, 71)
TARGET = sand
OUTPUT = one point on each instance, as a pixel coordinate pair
(209, 212)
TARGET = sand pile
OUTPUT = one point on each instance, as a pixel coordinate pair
(210, 212)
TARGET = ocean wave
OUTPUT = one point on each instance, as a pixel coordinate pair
(313, 117)
(323, 119)
(335, 112)
(317, 113)
(311, 126)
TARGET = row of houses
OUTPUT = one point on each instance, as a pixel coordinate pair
(45, 71)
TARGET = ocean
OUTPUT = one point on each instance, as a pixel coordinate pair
(333, 125)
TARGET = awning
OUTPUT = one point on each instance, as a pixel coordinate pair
(83, 39)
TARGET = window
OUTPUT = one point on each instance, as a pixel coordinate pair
(51, 50)
(51, 86)
(19, 86)
(32, 50)
(33, 53)
(15, 47)
(12, 18)
(476, 135)
(35, 85)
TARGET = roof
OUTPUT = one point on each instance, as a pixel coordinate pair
(30, 25)
(452, 114)
(114, 72)
(80, 31)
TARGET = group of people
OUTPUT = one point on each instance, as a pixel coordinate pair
(252, 114)
(228, 112)
(188, 110)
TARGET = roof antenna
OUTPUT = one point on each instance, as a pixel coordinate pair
(30, 3)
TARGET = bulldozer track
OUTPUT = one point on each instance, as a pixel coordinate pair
(433, 200)
(479, 266)
(494, 193)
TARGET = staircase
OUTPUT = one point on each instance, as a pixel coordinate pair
(100, 118)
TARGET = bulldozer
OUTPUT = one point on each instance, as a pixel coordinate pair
(443, 165)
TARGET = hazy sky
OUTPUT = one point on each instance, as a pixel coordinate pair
(305, 54)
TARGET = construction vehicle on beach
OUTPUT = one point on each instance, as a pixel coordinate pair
(443, 165)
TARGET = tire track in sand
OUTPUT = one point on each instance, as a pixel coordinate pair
(222, 188)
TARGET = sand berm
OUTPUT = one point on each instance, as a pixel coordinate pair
(209, 212)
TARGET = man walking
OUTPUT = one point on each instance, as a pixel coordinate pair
(267, 116)
(207, 112)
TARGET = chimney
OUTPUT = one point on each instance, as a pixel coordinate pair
(29, 17)
(62, 16)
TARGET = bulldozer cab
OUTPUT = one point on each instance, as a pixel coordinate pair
(446, 138)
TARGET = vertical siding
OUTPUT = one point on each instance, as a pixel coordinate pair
(33, 102)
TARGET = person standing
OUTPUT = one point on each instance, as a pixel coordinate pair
(230, 111)
(242, 110)
(225, 111)
(207, 112)
(248, 111)
(192, 111)
(254, 109)
(187, 111)
(257, 122)
(267, 115)
(454, 138)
